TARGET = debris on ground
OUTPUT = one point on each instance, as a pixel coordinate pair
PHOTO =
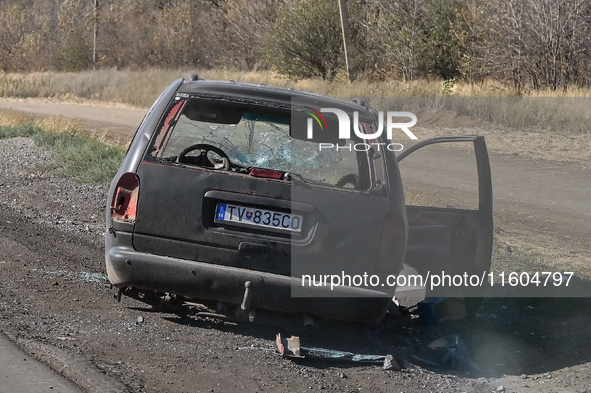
(290, 348)
(391, 364)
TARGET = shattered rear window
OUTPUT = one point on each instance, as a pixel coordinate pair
(257, 137)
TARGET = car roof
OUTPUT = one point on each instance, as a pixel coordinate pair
(261, 94)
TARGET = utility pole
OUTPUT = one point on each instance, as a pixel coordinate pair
(95, 28)
(346, 36)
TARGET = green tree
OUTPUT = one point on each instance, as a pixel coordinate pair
(440, 53)
(307, 40)
(74, 55)
(413, 38)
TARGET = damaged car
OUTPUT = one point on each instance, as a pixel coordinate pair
(247, 197)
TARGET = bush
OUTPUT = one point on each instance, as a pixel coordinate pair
(307, 40)
(74, 55)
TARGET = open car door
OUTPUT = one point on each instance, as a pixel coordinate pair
(448, 192)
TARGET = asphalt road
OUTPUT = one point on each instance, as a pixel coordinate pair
(20, 372)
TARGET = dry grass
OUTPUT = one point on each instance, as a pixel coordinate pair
(557, 111)
(66, 125)
(11, 119)
(131, 86)
(59, 124)
(55, 124)
(552, 124)
(141, 88)
(415, 197)
(511, 253)
(51, 123)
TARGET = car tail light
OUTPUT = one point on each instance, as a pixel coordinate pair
(392, 242)
(268, 173)
(124, 204)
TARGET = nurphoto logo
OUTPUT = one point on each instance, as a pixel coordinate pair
(345, 128)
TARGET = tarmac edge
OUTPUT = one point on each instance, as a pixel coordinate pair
(80, 371)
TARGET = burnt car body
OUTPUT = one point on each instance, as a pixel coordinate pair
(211, 158)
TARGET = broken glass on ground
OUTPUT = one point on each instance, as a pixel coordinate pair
(290, 348)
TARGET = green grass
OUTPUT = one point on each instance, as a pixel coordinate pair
(25, 130)
(75, 156)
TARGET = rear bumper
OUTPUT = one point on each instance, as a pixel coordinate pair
(198, 280)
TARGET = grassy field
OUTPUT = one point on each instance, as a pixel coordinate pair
(76, 155)
(547, 109)
(140, 88)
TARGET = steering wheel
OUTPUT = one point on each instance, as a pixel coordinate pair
(203, 158)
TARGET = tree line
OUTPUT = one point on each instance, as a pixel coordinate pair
(523, 43)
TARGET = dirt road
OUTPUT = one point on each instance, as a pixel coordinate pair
(545, 203)
(55, 292)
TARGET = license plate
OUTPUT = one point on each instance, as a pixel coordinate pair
(251, 216)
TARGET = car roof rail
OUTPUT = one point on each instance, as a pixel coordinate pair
(359, 101)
